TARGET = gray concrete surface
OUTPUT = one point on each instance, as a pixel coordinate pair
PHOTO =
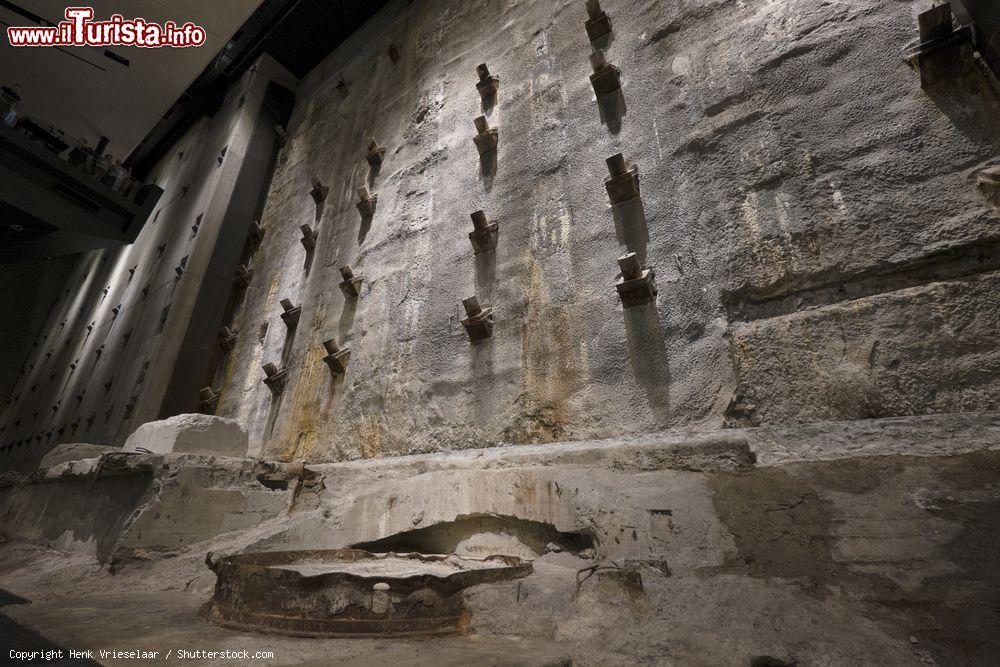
(124, 506)
(73, 451)
(190, 434)
(875, 559)
(821, 249)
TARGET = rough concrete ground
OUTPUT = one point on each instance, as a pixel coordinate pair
(885, 559)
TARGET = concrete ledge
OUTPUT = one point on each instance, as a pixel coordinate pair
(928, 435)
(718, 451)
(75, 451)
(122, 502)
(130, 501)
(721, 451)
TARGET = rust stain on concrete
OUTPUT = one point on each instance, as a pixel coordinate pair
(370, 433)
(300, 430)
(549, 365)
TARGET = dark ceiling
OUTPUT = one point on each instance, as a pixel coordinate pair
(297, 33)
(314, 28)
(16, 226)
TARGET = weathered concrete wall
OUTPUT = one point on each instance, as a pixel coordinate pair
(29, 288)
(101, 363)
(927, 349)
(821, 249)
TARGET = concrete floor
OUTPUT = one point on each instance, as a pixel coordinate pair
(807, 556)
(82, 607)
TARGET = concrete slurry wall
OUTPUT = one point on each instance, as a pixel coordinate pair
(93, 374)
(30, 287)
(820, 246)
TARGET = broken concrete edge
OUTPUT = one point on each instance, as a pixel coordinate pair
(150, 504)
(728, 450)
(117, 462)
(150, 498)
(74, 451)
(193, 433)
(830, 546)
(136, 542)
(111, 464)
(923, 436)
(697, 452)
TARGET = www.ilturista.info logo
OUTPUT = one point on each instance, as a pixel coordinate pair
(80, 30)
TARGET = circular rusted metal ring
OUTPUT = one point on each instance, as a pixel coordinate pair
(262, 592)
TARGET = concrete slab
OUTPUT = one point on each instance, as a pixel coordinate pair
(887, 559)
(74, 451)
(190, 434)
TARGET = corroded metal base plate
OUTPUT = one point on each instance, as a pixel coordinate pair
(349, 592)
(293, 626)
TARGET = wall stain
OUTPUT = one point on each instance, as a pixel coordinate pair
(370, 434)
(549, 364)
(299, 437)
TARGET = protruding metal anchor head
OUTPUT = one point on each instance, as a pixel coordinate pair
(484, 234)
(336, 357)
(308, 237)
(616, 164)
(637, 285)
(598, 23)
(375, 154)
(630, 266)
(488, 83)
(366, 203)
(606, 78)
(623, 184)
(275, 378)
(472, 306)
(209, 399)
(319, 192)
(351, 286)
(486, 138)
(479, 220)
(479, 323)
(291, 313)
(227, 338)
